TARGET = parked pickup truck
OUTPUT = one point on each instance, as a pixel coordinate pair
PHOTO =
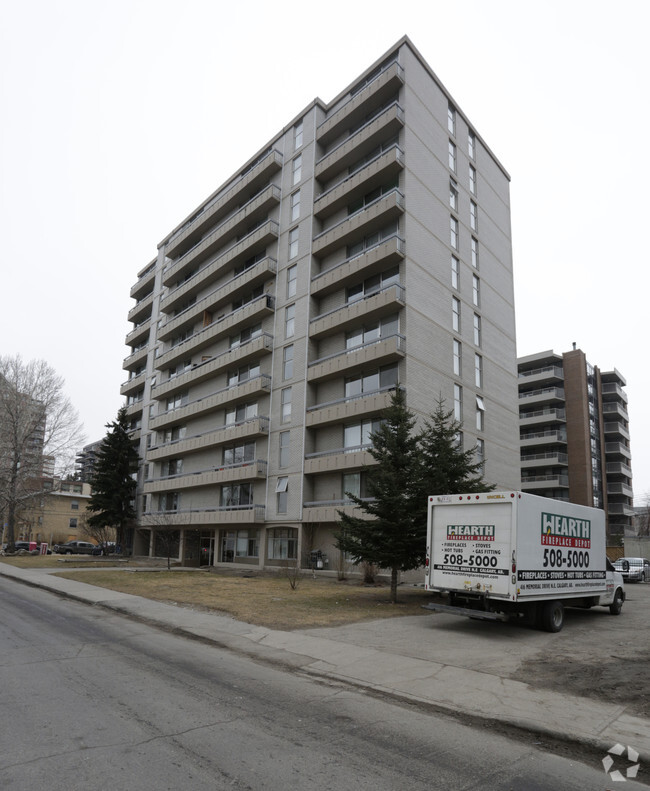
(509, 555)
(74, 548)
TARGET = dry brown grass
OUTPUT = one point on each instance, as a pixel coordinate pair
(264, 600)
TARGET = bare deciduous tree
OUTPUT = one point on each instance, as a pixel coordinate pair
(37, 421)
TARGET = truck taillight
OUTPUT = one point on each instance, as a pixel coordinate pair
(426, 562)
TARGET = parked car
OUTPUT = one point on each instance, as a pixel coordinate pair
(107, 546)
(26, 546)
(75, 548)
(633, 569)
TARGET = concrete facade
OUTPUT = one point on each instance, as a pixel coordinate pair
(368, 244)
(575, 438)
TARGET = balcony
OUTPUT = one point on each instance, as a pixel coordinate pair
(536, 483)
(195, 227)
(615, 409)
(133, 384)
(254, 242)
(346, 409)
(544, 395)
(617, 449)
(259, 308)
(335, 460)
(145, 282)
(139, 334)
(384, 125)
(381, 169)
(376, 92)
(613, 392)
(617, 429)
(211, 403)
(253, 276)
(253, 427)
(553, 459)
(620, 509)
(383, 350)
(327, 511)
(141, 310)
(216, 476)
(366, 221)
(134, 409)
(215, 365)
(618, 468)
(232, 514)
(543, 438)
(622, 489)
(546, 375)
(138, 357)
(256, 209)
(380, 303)
(542, 417)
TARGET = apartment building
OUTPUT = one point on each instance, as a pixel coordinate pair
(575, 438)
(366, 246)
(85, 461)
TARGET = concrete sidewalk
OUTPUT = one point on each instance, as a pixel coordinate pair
(385, 667)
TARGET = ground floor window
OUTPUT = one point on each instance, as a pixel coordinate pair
(240, 544)
(283, 543)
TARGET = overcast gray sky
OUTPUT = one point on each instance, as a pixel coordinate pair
(119, 118)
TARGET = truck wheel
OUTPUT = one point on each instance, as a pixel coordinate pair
(553, 616)
(617, 605)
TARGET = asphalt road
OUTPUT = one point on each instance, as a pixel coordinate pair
(91, 701)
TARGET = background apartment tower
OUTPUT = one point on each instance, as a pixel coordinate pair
(575, 439)
(366, 245)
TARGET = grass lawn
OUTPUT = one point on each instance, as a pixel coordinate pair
(264, 599)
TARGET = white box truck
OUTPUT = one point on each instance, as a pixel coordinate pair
(503, 555)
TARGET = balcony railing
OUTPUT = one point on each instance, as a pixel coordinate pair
(550, 392)
(400, 293)
(264, 422)
(556, 370)
(349, 399)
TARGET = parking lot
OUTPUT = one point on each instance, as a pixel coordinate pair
(596, 654)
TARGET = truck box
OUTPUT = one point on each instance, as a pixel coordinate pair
(509, 554)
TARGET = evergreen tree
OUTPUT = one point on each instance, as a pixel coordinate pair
(390, 537)
(444, 468)
(113, 484)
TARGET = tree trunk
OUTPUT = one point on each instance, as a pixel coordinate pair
(393, 585)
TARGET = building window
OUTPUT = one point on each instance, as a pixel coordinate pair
(478, 370)
(73, 523)
(372, 240)
(243, 374)
(458, 403)
(380, 379)
(236, 455)
(287, 362)
(474, 253)
(472, 179)
(297, 135)
(476, 290)
(455, 272)
(293, 243)
(172, 467)
(451, 119)
(241, 413)
(373, 284)
(297, 169)
(473, 215)
(292, 280)
(477, 330)
(359, 435)
(471, 145)
(453, 229)
(285, 399)
(177, 401)
(246, 542)
(282, 492)
(289, 320)
(452, 156)
(480, 451)
(480, 413)
(237, 495)
(455, 314)
(371, 333)
(295, 206)
(354, 483)
(453, 194)
(169, 501)
(283, 459)
(283, 543)
(245, 335)
(74, 505)
(458, 351)
(172, 434)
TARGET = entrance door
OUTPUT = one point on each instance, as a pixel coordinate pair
(207, 550)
